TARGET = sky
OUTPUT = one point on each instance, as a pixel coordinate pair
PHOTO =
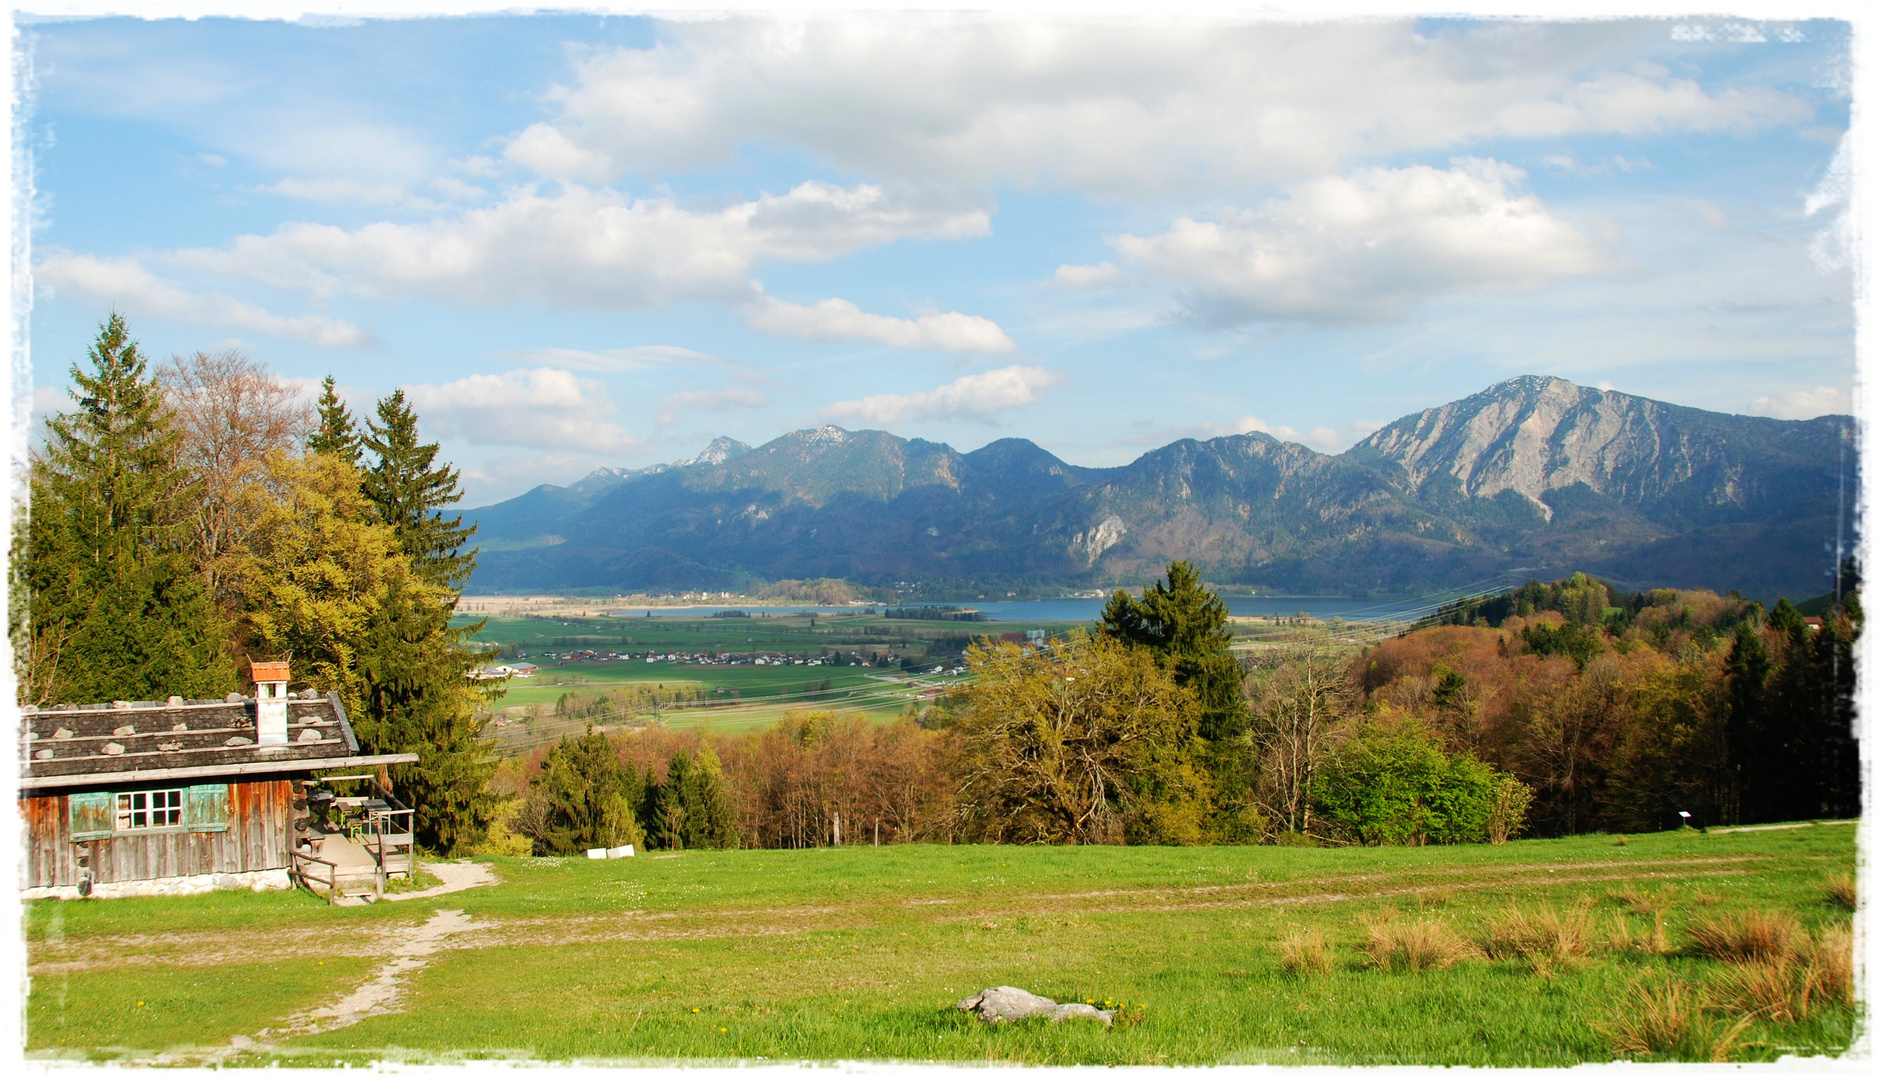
(580, 241)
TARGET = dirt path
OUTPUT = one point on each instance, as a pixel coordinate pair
(455, 876)
(214, 949)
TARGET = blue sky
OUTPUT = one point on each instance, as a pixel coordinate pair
(581, 241)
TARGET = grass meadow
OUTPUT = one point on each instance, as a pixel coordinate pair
(1692, 946)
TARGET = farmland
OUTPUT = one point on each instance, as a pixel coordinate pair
(858, 661)
(858, 953)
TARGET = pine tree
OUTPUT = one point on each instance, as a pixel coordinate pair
(337, 434)
(410, 493)
(112, 606)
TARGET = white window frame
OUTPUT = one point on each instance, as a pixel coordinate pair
(148, 811)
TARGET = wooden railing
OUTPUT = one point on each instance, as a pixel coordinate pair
(389, 836)
(301, 875)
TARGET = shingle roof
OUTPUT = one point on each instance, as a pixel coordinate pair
(137, 736)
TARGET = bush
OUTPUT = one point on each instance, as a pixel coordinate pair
(1394, 784)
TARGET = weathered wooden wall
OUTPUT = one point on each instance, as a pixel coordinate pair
(260, 823)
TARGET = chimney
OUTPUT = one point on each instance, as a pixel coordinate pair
(270, 702)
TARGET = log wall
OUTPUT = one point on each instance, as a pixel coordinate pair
(260, 827)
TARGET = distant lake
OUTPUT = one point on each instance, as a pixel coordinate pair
(1079, 609)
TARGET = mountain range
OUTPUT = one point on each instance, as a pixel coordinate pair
(1534, 476)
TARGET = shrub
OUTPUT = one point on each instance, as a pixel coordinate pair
(1392, 783)
(1417, 946)
(1304, 952)
(1754, 935)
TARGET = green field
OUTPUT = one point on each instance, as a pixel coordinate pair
(739, 696)
(858, 953)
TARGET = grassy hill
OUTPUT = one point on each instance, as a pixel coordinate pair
(859, 953)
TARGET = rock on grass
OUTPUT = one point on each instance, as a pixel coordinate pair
(1001, 1004)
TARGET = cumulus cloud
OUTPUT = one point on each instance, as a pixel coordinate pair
(1365, 246)
(540, 407)
(1124, 107)
(839, 320)
(740, 395)
(589, 247)
(1321, 438)
(132, 289)
(971, 397)
(1804, 404)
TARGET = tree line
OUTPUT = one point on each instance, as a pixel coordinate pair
(184, 519)
(1558, 708)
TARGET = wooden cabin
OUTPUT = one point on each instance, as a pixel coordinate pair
(139, 798)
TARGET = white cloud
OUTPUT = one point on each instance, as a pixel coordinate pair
(1365, 246)
(972, 397)
(636, 358)
(588, 247)
(1117, 106)
(1322, 438)
(132, 289)
(1803, 404)
(1832, 247)
(839, 320)
(542, 407)
(734, 396)
(1087, 277)
(346, 192)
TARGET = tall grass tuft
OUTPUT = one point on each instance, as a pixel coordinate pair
(1624, 937)
(1828, 975)
(1753, 935)
(1769, 988)
(1545, 932)
(1841, 892)
(1304, 952)
(1640, 901)
(1414, 946)
(1655, 1021)
(1665, 1021)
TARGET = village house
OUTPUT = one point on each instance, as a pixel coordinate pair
(134, 798)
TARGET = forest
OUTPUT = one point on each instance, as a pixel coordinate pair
(1553, 709)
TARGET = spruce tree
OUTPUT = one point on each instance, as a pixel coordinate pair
(415, 665)
(113, 607)
(410, 490)
(337, 434)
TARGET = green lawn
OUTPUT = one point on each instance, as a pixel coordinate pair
(859, 953)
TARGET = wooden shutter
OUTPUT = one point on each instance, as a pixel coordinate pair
(94, 815)
(205, 808)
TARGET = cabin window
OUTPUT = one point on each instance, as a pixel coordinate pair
(149, 810)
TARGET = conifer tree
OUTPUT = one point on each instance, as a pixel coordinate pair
(1185, 626)
(112, 607)
(415, 666)
(337, 434)
(410, 492)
